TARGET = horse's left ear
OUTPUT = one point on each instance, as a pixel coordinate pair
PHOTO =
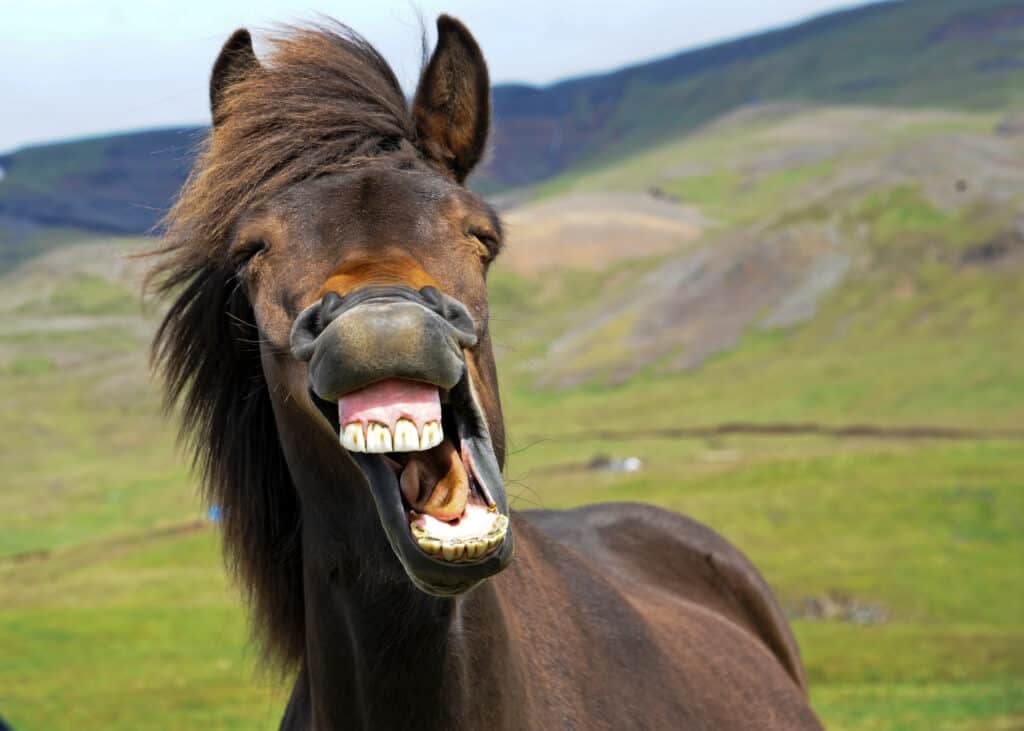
(235, 60)
(452, 109)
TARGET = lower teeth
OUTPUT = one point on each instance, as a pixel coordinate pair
(462, 549)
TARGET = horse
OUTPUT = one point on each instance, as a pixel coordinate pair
(326, 344)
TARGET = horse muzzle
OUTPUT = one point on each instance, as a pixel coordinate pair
(387, 369)
(382, 332)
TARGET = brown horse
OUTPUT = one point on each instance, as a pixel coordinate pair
(328, 344)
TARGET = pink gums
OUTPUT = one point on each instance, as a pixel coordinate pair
(385, 402)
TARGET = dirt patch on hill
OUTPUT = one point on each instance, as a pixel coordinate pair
(701, 303)
(594, 231)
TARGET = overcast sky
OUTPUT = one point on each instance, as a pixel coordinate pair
(70, 68)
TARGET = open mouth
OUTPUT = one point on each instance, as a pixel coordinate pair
(423, 434)
(387, 370)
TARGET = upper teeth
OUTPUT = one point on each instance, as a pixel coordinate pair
(378, 438)
(406, 438)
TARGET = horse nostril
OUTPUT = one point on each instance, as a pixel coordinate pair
(328, 310)
(450, 309)
(311, 322)
(432, 298)
(459, 317)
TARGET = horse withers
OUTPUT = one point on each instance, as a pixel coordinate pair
(327, 342)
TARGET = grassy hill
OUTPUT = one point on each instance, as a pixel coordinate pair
(962, 54)
(865, 223)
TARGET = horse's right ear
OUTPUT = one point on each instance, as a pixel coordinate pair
(235, 60)
(452, 108)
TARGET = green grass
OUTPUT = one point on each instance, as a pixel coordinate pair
(131, 636)
(86, 294)
(119, 632)
(992, 706)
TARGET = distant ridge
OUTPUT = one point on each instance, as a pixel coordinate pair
(576, 108)
(942, 53)
(119, 183)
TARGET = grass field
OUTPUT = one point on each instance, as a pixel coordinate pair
(899, 561)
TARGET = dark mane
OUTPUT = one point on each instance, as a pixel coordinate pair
(322, 101)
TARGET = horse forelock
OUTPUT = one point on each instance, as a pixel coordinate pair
(323, 101)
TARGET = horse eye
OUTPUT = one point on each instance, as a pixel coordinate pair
(489, 242)
(247, 252)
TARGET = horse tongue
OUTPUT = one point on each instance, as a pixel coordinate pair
(436, 483)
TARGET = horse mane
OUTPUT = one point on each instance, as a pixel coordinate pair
(322, 101)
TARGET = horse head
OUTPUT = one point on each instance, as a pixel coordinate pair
(329, 330)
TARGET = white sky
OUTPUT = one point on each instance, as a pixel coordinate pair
(70, 68)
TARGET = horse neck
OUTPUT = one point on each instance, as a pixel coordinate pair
(380, 653)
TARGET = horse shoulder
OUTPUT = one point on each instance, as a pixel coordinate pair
(652, 550)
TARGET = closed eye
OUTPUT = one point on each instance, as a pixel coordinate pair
(244, 254)
(489, 241)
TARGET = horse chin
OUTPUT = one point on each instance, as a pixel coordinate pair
(443, 508)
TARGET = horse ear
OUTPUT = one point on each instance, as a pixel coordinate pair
(452, 109)
(235, 60)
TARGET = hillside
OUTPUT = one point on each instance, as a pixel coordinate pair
(116, 184)
(806, 210)
(965, 54)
